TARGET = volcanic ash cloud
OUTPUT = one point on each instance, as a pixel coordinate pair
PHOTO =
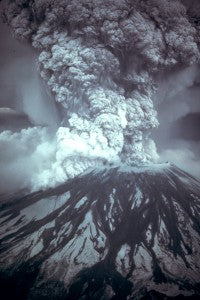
(100, 59)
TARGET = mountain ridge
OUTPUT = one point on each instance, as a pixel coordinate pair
(111, 233)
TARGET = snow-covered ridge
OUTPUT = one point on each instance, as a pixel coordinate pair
(137, 230)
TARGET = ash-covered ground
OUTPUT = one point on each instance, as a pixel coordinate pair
(112, 233)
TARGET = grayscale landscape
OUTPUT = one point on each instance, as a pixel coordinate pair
(99, 149)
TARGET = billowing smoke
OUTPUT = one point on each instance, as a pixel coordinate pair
(103, 62)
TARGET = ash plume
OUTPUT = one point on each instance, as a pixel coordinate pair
(102, 61)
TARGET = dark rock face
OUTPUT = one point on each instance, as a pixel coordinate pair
(113, 233)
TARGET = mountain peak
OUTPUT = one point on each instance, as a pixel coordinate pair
(112, 233)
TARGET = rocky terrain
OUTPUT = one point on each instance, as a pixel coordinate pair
(111, 233)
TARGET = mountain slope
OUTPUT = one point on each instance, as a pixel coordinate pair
(113, 233)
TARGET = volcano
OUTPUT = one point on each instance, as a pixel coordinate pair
(111, 233)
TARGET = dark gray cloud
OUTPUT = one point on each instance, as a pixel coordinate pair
(187, 127)
(21, 86)
(111, 69)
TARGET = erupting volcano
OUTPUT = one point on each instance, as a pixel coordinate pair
(89, 207)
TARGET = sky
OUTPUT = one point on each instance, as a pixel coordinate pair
(25, 104)
(21, 86)
(178, 135)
